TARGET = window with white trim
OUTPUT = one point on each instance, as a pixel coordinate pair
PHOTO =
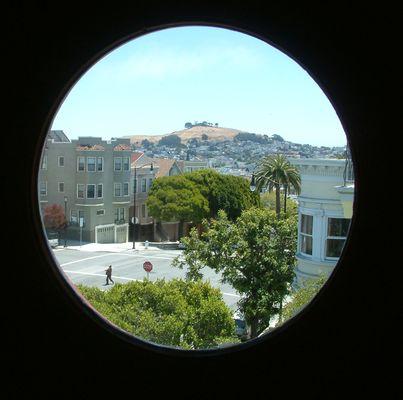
(100, 164)
(100, 190)
(60, 161)
(337, 230)
(306, 230)
(117, 189)
(150, 182)
(119, 214)
(126, 163)
(90, 191)
(91, 163)
(80, 164)
(143, 211)
(80, 190)
(100, 212)
(126, 189)
(117, 163)
(61, 187)
(144, 185)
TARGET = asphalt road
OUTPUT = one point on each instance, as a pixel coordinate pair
(88, 268)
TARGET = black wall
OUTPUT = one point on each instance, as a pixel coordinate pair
(342, 344)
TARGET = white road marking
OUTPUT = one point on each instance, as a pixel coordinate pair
(103, 275)
(115, 254)
(84, 259)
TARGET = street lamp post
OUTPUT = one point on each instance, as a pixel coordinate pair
(134, 200)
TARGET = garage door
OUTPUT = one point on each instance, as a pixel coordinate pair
(105, 234)
(121, 233)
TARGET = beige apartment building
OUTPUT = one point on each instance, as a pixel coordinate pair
(90, 178)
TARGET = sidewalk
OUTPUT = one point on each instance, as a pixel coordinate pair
(109, 247)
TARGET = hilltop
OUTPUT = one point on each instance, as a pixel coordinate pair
(195, 132)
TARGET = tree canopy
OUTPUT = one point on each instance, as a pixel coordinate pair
(170, 141)
(224, 192)
(303, 296)
(54, 218)
(275, 171)
(199, 194)
(189, 315)
(256, 255)
(253, 137)
(268, 200)
(176, 198)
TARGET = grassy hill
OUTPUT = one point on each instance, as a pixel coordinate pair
(196, 132)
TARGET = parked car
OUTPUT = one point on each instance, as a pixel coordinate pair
(181, 246)
(53, 239)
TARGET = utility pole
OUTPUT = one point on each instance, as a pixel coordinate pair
(134, 199)
(134, 207)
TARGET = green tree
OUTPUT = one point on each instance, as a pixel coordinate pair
(302, 297)
(190, 315)
(268, 200)
(175, 198)
(146, 143)
(256, 255)
(275, 171)
(170, 141)
(224, 192)
(188, 125)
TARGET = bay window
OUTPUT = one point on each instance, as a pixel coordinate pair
(90, 191)
(337, 229)
(81, 164)
(117, 189)
(117, 162)
(91, 161)
(306, 231)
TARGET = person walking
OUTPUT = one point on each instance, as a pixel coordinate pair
(108, 273)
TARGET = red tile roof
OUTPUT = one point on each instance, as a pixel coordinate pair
(122, 147)
(136, 156)
(82, 147)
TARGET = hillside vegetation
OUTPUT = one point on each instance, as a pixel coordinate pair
(196, 132)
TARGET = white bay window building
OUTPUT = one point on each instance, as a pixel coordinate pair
(324, 214)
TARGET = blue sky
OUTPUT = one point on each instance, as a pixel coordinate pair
(154, 84)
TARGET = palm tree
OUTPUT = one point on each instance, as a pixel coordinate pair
(275, 171)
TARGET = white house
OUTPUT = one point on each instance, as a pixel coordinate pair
(324, 214)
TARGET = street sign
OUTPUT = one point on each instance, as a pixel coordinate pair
(147, 266)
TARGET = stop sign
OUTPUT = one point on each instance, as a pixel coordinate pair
(147, 266)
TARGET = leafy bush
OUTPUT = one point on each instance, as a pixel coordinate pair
(190, 315)
(303, 296)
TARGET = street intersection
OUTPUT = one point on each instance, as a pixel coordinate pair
(86, 265)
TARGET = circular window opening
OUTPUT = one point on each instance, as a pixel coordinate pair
(196, 188)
